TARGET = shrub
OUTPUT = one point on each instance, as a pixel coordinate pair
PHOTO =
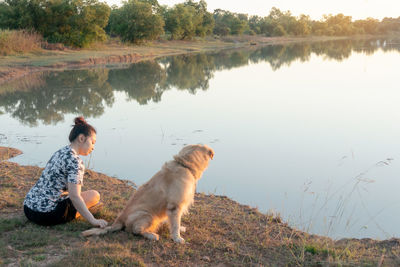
(72, 22)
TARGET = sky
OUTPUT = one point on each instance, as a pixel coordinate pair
(358, 9)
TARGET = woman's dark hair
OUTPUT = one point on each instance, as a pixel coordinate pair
(80, 127)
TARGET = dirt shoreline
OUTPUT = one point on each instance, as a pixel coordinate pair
(222, 233)
(17, 66)
(9, 152)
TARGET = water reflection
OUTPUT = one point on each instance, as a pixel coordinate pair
(142, 82)
(46, 97)
(190, 73)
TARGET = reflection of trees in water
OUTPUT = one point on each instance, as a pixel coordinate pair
(281, 55)
(26, 83)
(189, 72)
(48, 97)
(337, 50)
(78, 92)
(142, 81)
(147, 80)
(226, 60)
(340, 50)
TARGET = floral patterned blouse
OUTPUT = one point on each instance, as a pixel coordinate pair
(65, 166)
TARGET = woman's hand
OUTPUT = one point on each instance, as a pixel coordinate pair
(79, 204)
(99, 222)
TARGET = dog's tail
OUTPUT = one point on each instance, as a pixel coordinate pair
(101, 231)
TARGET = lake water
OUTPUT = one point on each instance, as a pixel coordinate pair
(309, 131)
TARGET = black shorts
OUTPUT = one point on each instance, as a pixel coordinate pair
(63, 213)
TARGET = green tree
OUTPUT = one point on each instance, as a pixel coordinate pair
(255, 24)
(302, 26)
(77, 23)
(283, 22)
(229, 23)
(180, 21)
(189, 19)
(339, 25)
(369, 26)
(389, 25)
(72, 22)
(203, 20)
(318, 27)
(136, 21)
(17, 14)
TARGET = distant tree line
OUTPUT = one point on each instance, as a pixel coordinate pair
(279, 23)
(81, 22)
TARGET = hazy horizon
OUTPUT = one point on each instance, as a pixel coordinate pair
(357, 9)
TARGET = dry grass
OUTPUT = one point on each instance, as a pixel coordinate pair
(219, 232)
(19, 41)
(8, 152)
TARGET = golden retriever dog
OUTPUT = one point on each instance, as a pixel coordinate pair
(167, 195)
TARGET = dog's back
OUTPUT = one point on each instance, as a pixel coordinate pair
(172, 185)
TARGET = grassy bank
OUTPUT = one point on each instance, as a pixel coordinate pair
(220, 232)
(113, 52)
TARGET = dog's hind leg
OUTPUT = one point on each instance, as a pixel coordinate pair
(141, 223)
(174, 214)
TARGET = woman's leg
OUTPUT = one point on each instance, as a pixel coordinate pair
(91, 198)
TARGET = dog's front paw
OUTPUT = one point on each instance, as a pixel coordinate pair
(151, 236)
(183, 229)
(179, 240)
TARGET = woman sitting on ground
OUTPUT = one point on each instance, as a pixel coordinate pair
(56, 197)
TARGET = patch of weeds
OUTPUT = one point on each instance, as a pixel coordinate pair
(163, 231)
(9, 198)
(73, 228)
(4, 251)
(140, 247)
(116, 197)
(103, 254)
(345, 253)
(11, 224)
(107, 214)
(315, 250)
(39, 258)
(317, 253)
(310, 249)
(30, 237)
(36, 251)
(25, 262)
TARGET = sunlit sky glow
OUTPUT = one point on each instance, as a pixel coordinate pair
(358, 9)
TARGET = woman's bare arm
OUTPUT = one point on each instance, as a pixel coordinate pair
(74, 191)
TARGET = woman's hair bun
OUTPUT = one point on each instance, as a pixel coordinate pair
(80, 127)
(79, 120)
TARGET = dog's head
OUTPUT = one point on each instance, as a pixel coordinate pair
(195, 157)
(195, 152)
